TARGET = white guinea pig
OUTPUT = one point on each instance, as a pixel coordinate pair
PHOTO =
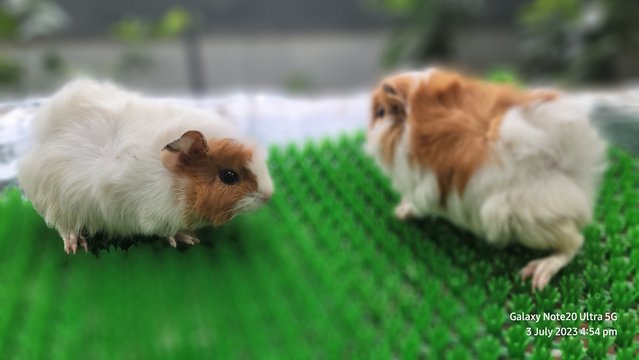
(507, 164)
(107, 160)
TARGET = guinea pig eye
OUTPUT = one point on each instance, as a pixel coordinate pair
(229, 177)
(380, 112)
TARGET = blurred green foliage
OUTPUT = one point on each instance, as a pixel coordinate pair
(24, 20)
(573, 40)
(539, 10)
(137, 32)
(52, 63)
(10, 71)
(297, 82)
(503, 75)
(9, 24)
(427, 28)
(580, 41)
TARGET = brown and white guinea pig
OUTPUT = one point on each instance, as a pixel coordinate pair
(107, 160)
(508, 164)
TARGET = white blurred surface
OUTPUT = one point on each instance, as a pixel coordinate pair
(274, 119)
(14, 136)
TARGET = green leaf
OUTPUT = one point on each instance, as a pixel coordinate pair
(173, 23)
(9, 25)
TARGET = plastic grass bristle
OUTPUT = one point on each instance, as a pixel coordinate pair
(323, 271)
(541, 353)
(572, 348)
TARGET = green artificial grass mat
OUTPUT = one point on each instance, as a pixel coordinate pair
(324, 271)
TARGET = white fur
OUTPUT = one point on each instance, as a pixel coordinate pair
(543, 174)
(95, 163)
(256, 166)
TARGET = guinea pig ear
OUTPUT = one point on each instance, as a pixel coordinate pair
(191, 144)
(396, 92)
(396, 96)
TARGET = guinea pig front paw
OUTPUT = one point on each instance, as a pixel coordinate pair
(182, 238)
(71, 241)
(405, 211)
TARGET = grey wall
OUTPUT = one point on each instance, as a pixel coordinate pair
(96, 17)
(90, 18)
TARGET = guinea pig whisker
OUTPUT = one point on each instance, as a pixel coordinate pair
(250, 202)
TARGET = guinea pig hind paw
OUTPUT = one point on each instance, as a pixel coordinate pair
(404, 211)
(528, 270)
(171, 240)
(83, 243)
(542, 270)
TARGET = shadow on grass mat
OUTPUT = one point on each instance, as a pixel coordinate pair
(323, 271)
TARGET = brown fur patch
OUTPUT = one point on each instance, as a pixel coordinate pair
(207, 197)
(454, 121)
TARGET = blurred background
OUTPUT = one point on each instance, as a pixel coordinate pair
(198, 46)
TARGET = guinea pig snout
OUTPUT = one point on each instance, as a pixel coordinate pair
(266, 196)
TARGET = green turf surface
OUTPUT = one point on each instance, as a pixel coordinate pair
(323, 271)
